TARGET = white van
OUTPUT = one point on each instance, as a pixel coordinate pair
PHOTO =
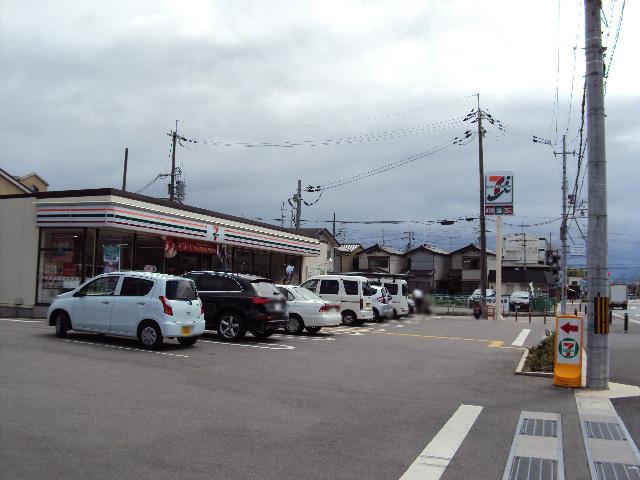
(399, 291)
(351, 292)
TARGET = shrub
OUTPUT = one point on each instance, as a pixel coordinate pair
(540, 357)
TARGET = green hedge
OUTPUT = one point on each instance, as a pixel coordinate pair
(540, 357)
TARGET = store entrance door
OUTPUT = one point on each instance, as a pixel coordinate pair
(188, 262)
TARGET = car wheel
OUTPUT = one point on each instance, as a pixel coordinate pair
(313, 330)
(62, 324)
(395, 313)
(231, 326)
(295, 325)
(262, 333)
(187, 341)
(349, 319)
(150, 335)
(376, 315)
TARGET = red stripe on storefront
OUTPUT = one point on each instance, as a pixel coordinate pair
(111, 209)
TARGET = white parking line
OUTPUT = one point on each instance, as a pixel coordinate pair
(127, 348)
(21, 321)
(519, 341)
(251, 345)
(297, 337)
(434, 459)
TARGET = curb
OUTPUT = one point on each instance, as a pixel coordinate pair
(520, 366)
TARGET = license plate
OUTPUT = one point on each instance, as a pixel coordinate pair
(277, 307)
(185, 330)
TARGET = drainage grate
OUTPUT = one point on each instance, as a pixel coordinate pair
(539, 428)
(531, 468)
(604, 431)
(617, 471)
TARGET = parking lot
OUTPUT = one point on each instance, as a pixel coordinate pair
(348, 402)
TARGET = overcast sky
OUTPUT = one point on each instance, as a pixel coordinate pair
(82, 81)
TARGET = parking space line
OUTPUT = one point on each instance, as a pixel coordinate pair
(434, 459)
(119, 347)
(519, 341)
(251, 345)
(490, 343)
(300, 337)
(21, 321)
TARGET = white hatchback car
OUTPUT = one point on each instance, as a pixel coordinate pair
(308, 311)
(147, 306)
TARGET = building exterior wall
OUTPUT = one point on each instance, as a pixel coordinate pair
(317, 265)
(9, 188)
(395, 263)
(514, 246)
(31, 181)
(18, 252)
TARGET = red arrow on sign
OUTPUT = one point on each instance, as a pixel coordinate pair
(568, 328)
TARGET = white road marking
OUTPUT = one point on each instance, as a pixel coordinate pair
(519, 341)
(21, 321)
(296, 337)
(631, 319)
(127, 348)
(251, 345)
(434, 459)
(399, 326)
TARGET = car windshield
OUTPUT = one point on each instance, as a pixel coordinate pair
(306, 294)
(520, 294)
(182, 289)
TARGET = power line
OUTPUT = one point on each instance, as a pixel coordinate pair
(367, 137)
(615, 44)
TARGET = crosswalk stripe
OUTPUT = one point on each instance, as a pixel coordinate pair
(519, 341)
(434, 459)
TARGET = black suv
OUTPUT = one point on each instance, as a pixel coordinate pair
(234, 303)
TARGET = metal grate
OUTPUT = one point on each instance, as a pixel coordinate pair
(617, 471)
(531, 468)
(538, 427)
(604, 431)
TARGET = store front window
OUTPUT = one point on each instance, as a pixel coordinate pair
(261, 264)
(113, 251)
(278, 268)
(242, 261)
(149, 253)
(61, 253)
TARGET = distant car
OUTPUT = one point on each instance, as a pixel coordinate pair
(399, 291)
(351, 292)
(147, 306)
(520, 300)
(382, 304)
(235, 303)
(475, 296)
(308, 311)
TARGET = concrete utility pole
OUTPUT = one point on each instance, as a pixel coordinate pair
(483, 237)
(172, 184)
(298, 204)
(597, 279)
(524, 246)
(563, 230)
(124, 173)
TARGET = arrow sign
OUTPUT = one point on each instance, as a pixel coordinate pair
(568, 328)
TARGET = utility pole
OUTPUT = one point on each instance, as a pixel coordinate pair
(410, 237)
(124, 173)
(172, 185)
(333, 231)
(498, 313)
(563, 230)
(597, 278)
(298, 204)
(524, 246)
(483, 238)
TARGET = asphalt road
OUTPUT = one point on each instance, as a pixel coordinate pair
(357, 403)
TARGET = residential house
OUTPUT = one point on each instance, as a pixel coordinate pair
(429, 266)
(381, 258)
(11, 185)
(329, 255)
(535, 278)
(464, 274)
(348, 257)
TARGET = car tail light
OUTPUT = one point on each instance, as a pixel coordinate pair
(166, 307)
(325, 308)
(361, 303)
(260, 300)
(382, 300)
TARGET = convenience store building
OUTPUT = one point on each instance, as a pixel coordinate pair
(53, 241)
